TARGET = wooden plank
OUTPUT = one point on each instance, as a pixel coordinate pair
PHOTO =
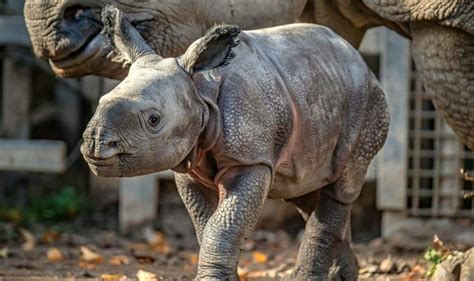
(16, 99)
(15, 6)
(13, 31)
(138, 199)
(69, 111)
(371, 42)
(391, 222)
(33, 155)
(393, 159)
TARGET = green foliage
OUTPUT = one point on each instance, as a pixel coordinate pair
(433, 257)
(63, 204)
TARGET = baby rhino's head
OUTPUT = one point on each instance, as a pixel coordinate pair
(153, 119)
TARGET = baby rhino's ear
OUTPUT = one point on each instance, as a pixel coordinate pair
(212, 50)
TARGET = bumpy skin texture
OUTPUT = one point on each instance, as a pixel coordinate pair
(442, 34)
(447, 70)
(242, 122)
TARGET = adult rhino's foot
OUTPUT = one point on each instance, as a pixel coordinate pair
(444, 57)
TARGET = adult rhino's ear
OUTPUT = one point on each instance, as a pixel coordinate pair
(212, 50)
(123, 37)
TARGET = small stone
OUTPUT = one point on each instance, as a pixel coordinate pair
(387, 265)
(403, 266)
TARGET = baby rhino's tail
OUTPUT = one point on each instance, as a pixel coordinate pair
(377, 118)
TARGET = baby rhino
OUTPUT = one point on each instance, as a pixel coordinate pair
(242, 116)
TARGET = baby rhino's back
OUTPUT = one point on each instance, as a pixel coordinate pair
(327, 87)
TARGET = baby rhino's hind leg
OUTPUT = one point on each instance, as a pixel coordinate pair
(324, 241)
(344, 265)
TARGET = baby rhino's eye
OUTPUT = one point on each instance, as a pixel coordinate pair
(154, 120)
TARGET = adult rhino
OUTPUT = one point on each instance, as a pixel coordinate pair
(67, 33)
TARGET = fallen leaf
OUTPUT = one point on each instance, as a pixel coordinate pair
(119, 260)
(259, 257)
(157, 241)
(50, 236)
(30, 240)
(113, 277)
(143, 275)
(194, 259)
(137, 246)
(143, 257)
(87, 265)
(369, 269)
(387, 265)
(437, 243)
(4, 252)
(54, 254)
(89, 256)
(416, 273)
(242, 272)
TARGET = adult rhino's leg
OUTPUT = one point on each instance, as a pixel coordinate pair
(200, 201)
(344, 265)
(444, 57)
(242, 193)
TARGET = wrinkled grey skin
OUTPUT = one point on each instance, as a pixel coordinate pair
(280, 120)
(441, 32)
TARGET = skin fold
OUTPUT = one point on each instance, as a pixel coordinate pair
(67, 33)
(242, 116)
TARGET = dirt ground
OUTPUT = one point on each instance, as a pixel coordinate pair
(102, 255)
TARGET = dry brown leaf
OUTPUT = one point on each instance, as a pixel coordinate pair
(193, 259)
(119, 260)
(243, 273)
(143, 275)
(417, 273)
(54, 255)
(437, 243)
(87, 265)
(89, 256)
(259, 257)
(157, 242)
(143, 257)
(29, 238)
(113, 277)
(137, 246)
(50, 236)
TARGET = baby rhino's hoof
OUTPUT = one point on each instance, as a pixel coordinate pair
(339, 273)
(336, 273)
(201, 276)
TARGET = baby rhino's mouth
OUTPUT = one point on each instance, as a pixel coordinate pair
(109, 167)
(89, 49)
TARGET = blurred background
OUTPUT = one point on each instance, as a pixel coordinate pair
(413, 191)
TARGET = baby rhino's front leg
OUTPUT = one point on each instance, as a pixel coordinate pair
(242, 193)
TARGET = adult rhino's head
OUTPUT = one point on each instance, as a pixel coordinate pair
(155, 118)
(67, 32)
